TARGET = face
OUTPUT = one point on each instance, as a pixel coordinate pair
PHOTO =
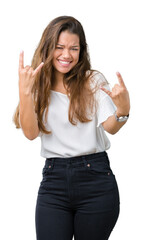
(66, 54)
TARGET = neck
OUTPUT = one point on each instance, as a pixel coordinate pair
(58, 77)
(57, 83)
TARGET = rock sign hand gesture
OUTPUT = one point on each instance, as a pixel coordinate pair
(27, 75)
(119, 96)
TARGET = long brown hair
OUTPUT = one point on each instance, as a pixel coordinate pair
(76, 81)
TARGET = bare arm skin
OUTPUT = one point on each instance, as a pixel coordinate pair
(120, 97)
(28, 117)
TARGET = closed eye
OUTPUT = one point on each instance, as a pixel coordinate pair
(75, 49)
(59, 48)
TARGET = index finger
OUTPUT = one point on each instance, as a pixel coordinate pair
(121, 81)
(21, 60)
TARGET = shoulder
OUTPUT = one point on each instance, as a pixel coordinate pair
(96, 79)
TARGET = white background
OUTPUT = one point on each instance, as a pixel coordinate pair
(114, 31)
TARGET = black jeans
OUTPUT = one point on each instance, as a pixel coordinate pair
(78, 197)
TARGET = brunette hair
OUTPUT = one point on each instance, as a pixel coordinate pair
(76, 81)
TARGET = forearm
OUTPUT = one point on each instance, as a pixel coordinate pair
(111, 125)
(28, 117)
(120, 98)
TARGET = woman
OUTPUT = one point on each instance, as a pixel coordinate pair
(70, 106)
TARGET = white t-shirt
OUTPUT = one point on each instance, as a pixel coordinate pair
(67, 140)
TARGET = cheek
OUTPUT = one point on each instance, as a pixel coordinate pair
(76, 57)
(54, 63)
(56, 54)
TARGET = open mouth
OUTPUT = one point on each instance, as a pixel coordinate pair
(64, 63)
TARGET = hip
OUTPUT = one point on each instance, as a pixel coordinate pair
(81, 179)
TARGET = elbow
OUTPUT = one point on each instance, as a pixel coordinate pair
(112, 131)
(31, 135)
(30, 138)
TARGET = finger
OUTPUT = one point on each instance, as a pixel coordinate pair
(27, 68)
(21, 60)
(38, 69)
(106, 91)
(120, 79)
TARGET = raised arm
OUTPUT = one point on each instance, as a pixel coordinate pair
(120, 98)
(28, 117)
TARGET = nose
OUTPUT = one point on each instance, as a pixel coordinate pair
(66, 54)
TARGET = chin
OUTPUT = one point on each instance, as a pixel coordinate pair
(63, 71)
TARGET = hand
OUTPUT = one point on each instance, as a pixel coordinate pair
(27, 75)
(119, 96)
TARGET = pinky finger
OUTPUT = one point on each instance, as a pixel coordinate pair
(106, 91)
(38, 69)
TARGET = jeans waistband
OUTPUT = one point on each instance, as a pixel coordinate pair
(77, 159)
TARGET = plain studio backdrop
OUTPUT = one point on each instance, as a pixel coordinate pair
(114, 32)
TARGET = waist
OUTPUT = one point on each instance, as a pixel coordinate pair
(100, 156)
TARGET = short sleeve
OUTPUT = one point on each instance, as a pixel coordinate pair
(105, 105)
(40, 134)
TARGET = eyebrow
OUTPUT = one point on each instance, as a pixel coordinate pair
(63, 45)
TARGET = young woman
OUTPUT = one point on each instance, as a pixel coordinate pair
(70, 106)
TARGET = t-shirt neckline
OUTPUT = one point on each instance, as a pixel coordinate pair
(59, 93)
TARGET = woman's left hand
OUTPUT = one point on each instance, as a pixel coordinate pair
(120, 96)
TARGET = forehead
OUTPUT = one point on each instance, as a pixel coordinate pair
(67, 38)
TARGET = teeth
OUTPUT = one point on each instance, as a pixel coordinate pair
(64, 62)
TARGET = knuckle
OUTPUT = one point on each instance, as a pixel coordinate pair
(124, 89)
(30, 72)
(27, 67)
(21, 72)
(24, 70)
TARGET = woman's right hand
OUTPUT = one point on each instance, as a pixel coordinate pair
(27, 75)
